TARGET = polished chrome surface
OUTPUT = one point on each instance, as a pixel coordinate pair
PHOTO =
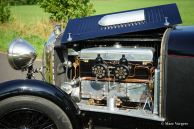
(49, 59)
(94, 89)
(21, 54)
(49, 55)
(57, 30)
(100, 90)
(112, 53)
(122, 18)
(111, 103)
(156, 91)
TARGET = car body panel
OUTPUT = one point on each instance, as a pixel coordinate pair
(179, 87)
(41, 89)
(88, 28)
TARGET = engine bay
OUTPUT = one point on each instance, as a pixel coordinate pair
(116, 77)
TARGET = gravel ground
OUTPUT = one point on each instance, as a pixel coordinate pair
(7, 73)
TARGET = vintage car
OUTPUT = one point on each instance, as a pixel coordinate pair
(130, 69)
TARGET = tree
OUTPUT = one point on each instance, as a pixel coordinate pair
(62, 10)
(31, 2)
(5, 12)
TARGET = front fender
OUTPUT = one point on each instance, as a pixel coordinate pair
(41, 89)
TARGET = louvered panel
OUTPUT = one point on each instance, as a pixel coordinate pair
(89, 28)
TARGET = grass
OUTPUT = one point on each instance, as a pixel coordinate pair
(32, 23)
(107, 6)
(29, 13)
(35, 33)
(32, 14)
(9, 35)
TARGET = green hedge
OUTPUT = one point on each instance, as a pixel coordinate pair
(5, 12)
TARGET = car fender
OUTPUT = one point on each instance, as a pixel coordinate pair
(41, 89)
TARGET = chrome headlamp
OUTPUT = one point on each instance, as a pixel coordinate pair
(21, 54)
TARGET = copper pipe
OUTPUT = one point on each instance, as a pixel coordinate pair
(128, 80)
(136, 80)
(75, 65)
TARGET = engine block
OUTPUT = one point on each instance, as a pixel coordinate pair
(142, 54)
(124, 73)
(99, 90)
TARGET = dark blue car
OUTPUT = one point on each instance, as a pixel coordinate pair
(130, 69)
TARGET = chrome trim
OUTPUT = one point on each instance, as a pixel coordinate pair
(49, 54)
(111, 103)
(57, 30)
(49, 59)
(156, 90)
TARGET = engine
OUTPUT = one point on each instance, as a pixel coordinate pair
(120, 76)
(117, 63)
